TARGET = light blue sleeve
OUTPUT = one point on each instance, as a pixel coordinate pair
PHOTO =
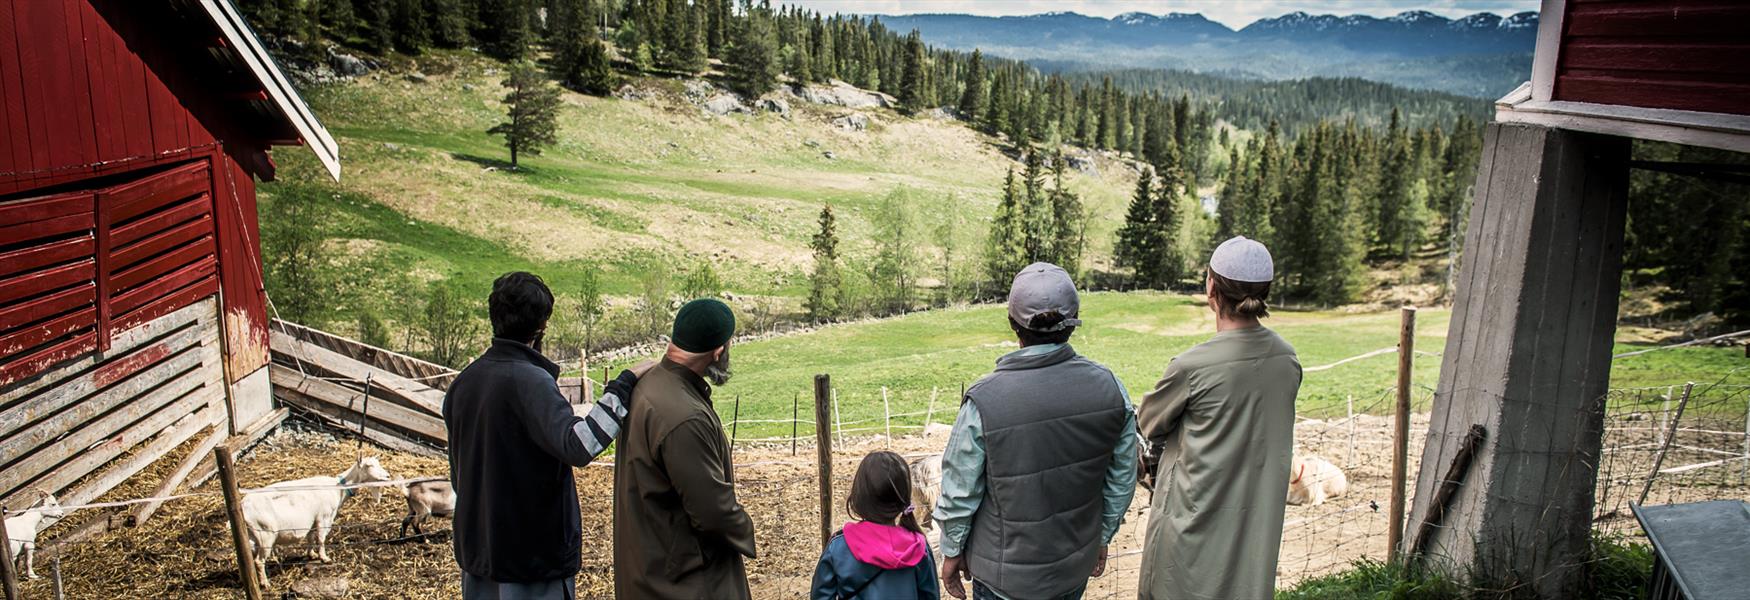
(1120, 475)
(962, 480)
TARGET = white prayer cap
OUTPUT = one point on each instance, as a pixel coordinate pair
(1241, 259)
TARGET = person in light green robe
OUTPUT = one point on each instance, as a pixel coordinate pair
(1219, 428)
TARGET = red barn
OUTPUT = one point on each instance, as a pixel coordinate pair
(1528, 354)
(132, 312)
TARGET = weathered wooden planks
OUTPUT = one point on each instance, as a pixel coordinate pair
(393, 387)
(1529, 358)
(430, 374)
(296, 386)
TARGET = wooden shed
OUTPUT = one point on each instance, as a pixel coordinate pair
(1528, 354)
(132, 311)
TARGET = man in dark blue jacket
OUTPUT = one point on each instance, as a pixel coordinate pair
(513, 442)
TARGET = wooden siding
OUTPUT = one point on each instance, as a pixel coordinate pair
(1674, 54)
(160, 384)
(78, 268)
(96, 90)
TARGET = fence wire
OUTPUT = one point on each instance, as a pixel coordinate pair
(1705, 444)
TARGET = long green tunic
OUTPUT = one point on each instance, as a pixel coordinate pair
(1222, 420)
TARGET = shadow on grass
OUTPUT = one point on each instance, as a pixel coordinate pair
(485, 162)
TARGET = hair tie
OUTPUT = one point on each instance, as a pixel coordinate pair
(908, 509)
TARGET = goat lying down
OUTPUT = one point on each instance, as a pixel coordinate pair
(296, 514)
(1312, 480)
(427, 498)
(23, 529)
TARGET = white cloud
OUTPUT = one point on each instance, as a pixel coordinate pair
(1234, 14)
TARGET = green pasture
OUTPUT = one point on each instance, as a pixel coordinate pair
(1135, 334)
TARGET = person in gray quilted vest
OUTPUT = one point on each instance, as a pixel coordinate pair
(1041, 465)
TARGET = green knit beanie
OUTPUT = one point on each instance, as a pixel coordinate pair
(703, 325)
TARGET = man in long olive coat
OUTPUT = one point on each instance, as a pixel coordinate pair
(679, 532)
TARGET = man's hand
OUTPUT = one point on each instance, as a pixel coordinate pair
(954, 570)
(621, 386)
(1100, 565)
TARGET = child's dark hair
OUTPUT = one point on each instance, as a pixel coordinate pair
(881, 491)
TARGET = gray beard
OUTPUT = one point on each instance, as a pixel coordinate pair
(718, 371)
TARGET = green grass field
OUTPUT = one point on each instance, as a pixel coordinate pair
(631, 182)
(1135, 334)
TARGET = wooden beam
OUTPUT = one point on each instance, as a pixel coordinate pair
(1528, 358)
(402, 390)
(240, 443)
(174, 480)
(292, 383)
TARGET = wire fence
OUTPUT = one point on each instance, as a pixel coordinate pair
(1658, 443)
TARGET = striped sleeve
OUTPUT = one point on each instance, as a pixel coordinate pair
(598, 429)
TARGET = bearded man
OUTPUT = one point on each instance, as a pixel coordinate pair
(679, 531)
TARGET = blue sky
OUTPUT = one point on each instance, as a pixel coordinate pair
(1233, 13)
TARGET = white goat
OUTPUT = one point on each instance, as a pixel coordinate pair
(1312, 480)
(302, 514)
(22, 530)
(926, 484)
(427, 498)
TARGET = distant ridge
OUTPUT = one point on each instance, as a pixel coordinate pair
(1483, 54)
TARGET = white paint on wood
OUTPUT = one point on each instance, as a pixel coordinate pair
(1549, 48)
(1692, 128)
(251, 399)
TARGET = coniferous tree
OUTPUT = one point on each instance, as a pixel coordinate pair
(1142, 240)
(825, 285)
(894, 271)
(378, 27)
(753, 60)
(504, 31)
(1068, 222)
(1036, 215)
(1005, 245)
(409, 24)
(532, 108)
(1107, 133)
(448, 23)
(579, 54)
(913, 92)
(972, 100)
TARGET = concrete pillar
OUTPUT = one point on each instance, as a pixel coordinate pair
(1528, 357)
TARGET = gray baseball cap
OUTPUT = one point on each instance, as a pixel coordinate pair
(1041, 288)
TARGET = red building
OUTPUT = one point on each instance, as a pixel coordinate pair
(132, 311)
(1528, 354)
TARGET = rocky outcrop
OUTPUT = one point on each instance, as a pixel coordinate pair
(852, 122)
(723, 104)
(774, 105)
(839, 93)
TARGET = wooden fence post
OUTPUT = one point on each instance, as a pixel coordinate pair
(1351, 460)
(1744, 468)
(246, 569)
(7, 576)
(735, 423)
(60, 590)
(1665, 446)
(1401, 431)
(887, 416)
(838, 421)
(823, 443)
(930, 415)
(795, 408)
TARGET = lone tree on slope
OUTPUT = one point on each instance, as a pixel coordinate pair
(533, 106)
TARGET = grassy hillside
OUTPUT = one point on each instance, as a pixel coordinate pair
(635, 183)
(1135, 334)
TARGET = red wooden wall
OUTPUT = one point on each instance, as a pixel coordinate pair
(94, 93)
(1676, 54)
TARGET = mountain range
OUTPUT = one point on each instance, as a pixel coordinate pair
(1483, 55)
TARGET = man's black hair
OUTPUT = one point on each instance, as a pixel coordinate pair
(519, 306)
(1030, 337)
